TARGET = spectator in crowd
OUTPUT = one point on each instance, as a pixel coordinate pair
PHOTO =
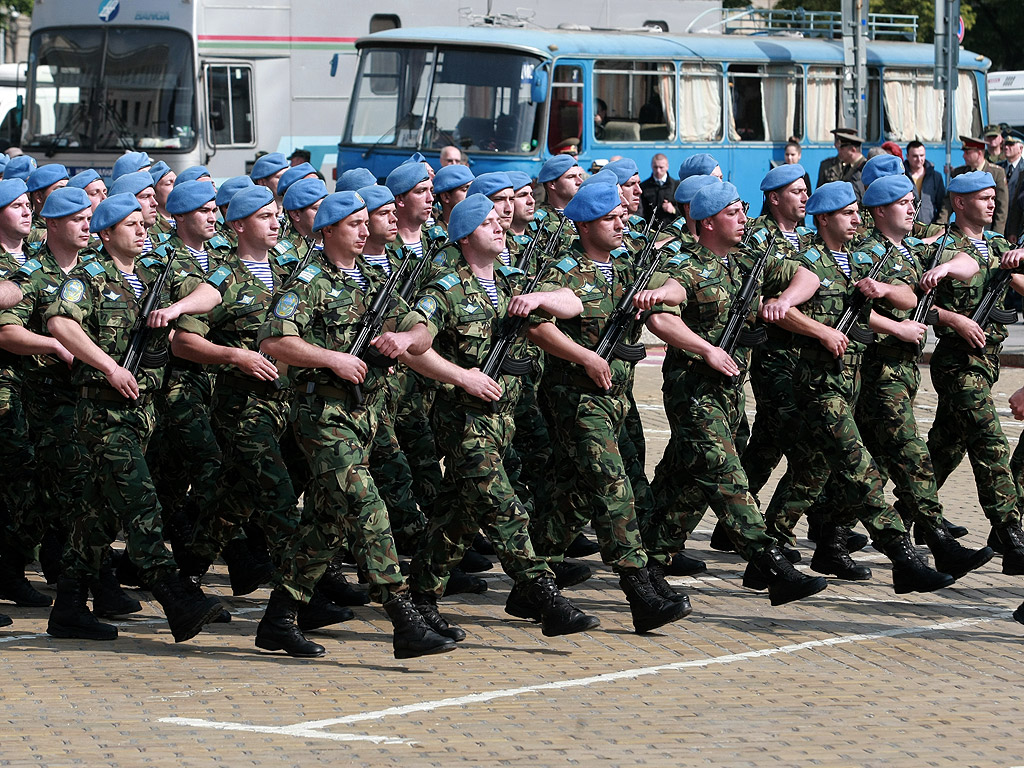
(1013, 147)
(299, 156)
(974, 160)
(657, 192)
(994, 144)
(929, 189)
(893, 149)
(452, 155)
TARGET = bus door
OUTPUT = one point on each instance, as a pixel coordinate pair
(567, 108)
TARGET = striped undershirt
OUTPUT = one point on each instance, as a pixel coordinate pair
(491, 289)
(147, 246)
(356, 275)
(505, 257)
(201, 256)
(981, 245)
(133, 280)
(792, 237)
(843, 260)
(606, 269)
(261, 271)
(416, 247)
(380, 260)
(19, 257)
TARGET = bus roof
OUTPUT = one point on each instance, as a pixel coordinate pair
(555, 43)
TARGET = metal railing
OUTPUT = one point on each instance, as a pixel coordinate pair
(821, 24)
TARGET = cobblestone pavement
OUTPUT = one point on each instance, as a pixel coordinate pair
(852, 677)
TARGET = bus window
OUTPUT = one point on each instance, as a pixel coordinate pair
(766, 102)
(640, 98)
(823, 93)
(566, 110)
(913, 108)
(968, 107)
(700, 101)
(230, 105)
(391, 90)
(381, 21)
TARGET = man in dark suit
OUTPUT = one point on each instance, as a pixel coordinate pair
(658, 192)
(1013, 148)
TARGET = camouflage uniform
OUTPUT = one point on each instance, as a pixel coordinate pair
(966, 420)
(701, 464)
(473, 437)
(323, 307)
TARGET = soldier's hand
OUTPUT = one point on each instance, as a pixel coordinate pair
(1012, 259)
(349, 367)
(774, 310)
(122, 381)
(1017, 404)
(722, 362)
(598, 371)
(933, 277)
(970, 331)
(873, 289)
(523, 304)
(911, 331)
(479, 384)
(161, 318)
(648, 299)
(392, 344)
(667, 207)
(256, 365)
(834, 341)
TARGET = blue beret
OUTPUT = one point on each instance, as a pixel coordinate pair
(66, 201)
(353, 179)
(375, 197)
(452, 177)
(711, 199)
(158, 170)
(133, 183)
(268, 165)
(83, 179)
(190, 196)
(4, 160)
(701, 164)
(604, 176)
(303, 193)
(336, 207)
(247, 201)
(405, 177)
(518, 179)
(593, 202)
(967, 183)
(488, 184)
(831, 197)
(112, 211)
(45, 175)
(192, 173)
(688, 187)
(879, 166)
(20, 167)
(887, 189)
(555, 167)
(11, 190)
(293, 174)
(468, 215)
(782, 176)
(129, 162)
(623, 168)
(231, 186)
(416, 157)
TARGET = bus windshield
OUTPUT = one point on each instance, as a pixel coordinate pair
(98, 89)
(426, 98)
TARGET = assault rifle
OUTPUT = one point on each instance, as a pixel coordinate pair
(526, 257)
(137, 352)
(734, 334)
(988, 310)
(847, 324)
(923, 312)
(611, 343)
(412, 282)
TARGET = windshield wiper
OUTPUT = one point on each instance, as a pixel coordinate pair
(76, 117)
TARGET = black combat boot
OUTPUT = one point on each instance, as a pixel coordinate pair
(1018, 615)
(71, 617)
(426, 604)
(462, 583)
(335, 586)
(520, 603)
(656, 573)
(650, 610)
(412, 635)
(482, 545)
(128, 573)
(855, 541)
(954, 530)
(187, 609)
(1011, 541)
(320, 612)
(5, 620)
(684, 565)
(51, 549)
(909, 572)
(569, 573)
(474, 562)
(582, 547)
(279, 629)
(831, 556)
(720, 539)
(557, 615)
(108, 598)
(950, 556)
(784, 583)
(15, 587)
(245, 573)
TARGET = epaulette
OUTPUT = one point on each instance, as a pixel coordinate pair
(447, 282)
(521, 239)
(811, 254)
(218, 241)
(289, 257)
(877, 249)
(436, 232)
(31, 249)
(803, 231)
(159, 238)
(760, 236)
(509, 271)
(678, 259)
(164, 250)
(93, 268)
(567, 264)
(88, 254)
(150, 262)
(635, 234)
(540, 215)
(636, 222)
(913, 242)
(219, 275)
(988, 234)
(308, 273)
(618, 253)
(859, 257)
(283, 247)
(672, 247)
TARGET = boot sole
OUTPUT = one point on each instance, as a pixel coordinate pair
(903, 589)
(315, 625)
(113, 614)
(845, 576)
(681, 612)
(1018, 615)
(409, 653)
(584, 625)
(269, 646)
(815, 585)
(197, 621)
(76, 633)
(35, 602)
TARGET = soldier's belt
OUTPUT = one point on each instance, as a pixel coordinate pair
(582, 382)
(344, 393)
(114, 398)
(778, 336)
(265, 390)
(895, 354)
(960, 344)
(824, 356)
(475, 404)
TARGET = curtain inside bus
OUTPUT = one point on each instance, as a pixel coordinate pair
(700, 102)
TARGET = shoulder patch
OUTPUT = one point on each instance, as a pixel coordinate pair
(93, 268)
(567, 264)
(540, 215)
(73, 290)
(673, 247)
(913, 241)
(218, 241)
(30, 266)
(287, 258)
(760, 236)
(283, 247)
(449, 281)
(286, 305)
(634, 234)
(151, 262)
(677, 260)
(618, 253)
(864, 258)
(307, 274)
(164, 250)
(436, 232)
(521, 239)
(427, 306)
(219, 275)
(159, 238)
(509, 271)
(811, 254)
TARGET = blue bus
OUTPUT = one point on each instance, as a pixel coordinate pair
(510, 97)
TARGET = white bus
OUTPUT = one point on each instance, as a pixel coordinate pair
(214, 81)
(1006, 99)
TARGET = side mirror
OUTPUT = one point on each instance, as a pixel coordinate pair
(539, 86)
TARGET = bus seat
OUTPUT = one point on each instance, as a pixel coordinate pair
(474, 132)
(621, 130)
(653, 131)
(566, 122)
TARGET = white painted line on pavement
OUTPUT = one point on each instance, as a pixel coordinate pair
(299, 730)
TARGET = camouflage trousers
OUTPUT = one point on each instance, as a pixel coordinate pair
(183, 453)
(885, 414)
(119, 493)
(591, 481)
(336, 437)
(416, 438)
(966, 421)
(777, 418)
(633, 449)
(475, 494)
(827, 400)
(254, 482)
(532, 445)
(23, 519)
(701, 467)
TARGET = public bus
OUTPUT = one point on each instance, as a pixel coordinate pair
(511, 96)
(214, 81)
(1006, 99)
